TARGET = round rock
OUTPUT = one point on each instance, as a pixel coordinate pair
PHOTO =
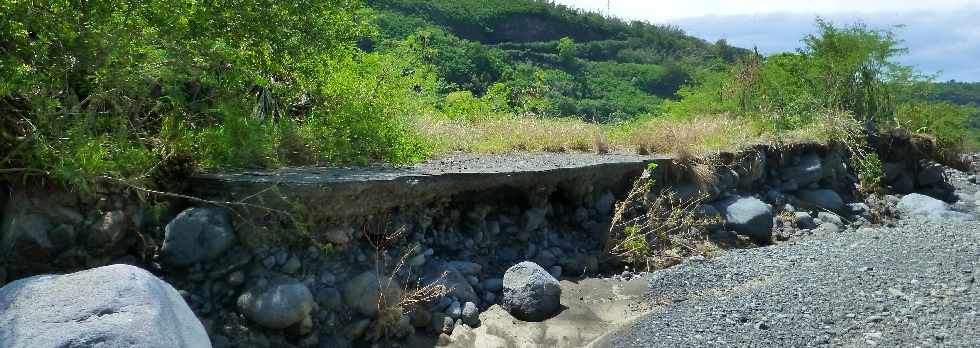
(112, 306)
(278, 303)
(748, 216)
(822, 199)
(530, 293)
(196, 235)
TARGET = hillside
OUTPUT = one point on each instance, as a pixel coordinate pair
(959, 93)
(581, 63)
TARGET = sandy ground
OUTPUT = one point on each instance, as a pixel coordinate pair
(593, 307)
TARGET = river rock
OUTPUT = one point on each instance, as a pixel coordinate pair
(930, 173)
(109, 230)
(530, 292)
(24, 240)
(277, 303)
(810, 170)
(112, 306)
(804, 220)
(367, 292)
(748, 216)
(442, 273)
(822, 199)
(196, 235)
(466, 267)
(493, 284)
(471, 315)
(930, 208)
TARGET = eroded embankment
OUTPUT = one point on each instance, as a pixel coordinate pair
(326, 257)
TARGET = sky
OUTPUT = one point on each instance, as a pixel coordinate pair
(943, 36)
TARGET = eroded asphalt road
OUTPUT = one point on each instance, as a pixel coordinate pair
(911, 285)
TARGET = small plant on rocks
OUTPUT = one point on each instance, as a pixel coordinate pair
(655, 232)
(393, 306)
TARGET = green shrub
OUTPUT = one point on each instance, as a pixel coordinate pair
(943, 121)
(464, 106)
(112, 88)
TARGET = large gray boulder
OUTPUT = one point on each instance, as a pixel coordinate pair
(196, 235)
(276, 302)
(810, 170)
(748, 216)
(112, 306)
(932, 209)
(822, 199)
(530, 292)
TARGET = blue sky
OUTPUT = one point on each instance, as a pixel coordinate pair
(943, 36)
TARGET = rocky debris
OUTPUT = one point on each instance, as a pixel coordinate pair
(435, 272)
(341, 235)
(111, 306)
(748, 216)
(530, 293)
(493, 284)
(441, 322)
(367, 292)
(930, 208)
(930, 174)
(822, 199)
(712, 215)
(25, 239)
(470, 315)
(109, 231)
(276, 302)
(808, 171)
(804, 220)
(466, 268)
(196, 235)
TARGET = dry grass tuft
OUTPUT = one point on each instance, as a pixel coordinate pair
(396, 301)
(695, 137)
(508, 134)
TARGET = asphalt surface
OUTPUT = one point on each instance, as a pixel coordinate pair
(509, 163)
(911, 285)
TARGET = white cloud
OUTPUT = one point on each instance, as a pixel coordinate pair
(938, 42)
(942, 35)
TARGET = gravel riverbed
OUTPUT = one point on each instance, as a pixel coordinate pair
(913, 284)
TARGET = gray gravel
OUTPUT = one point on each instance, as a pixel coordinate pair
(911, 285)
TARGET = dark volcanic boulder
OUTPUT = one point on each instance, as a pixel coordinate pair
(748, 216)
(112, 306)
(822, 199)
(810, 170)
(196, 235)
(530, 292)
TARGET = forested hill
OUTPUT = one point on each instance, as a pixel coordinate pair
(567, 61)
(959, 93)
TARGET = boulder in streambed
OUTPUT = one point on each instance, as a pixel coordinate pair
(748, 216)
(111, 306)
(530, 292)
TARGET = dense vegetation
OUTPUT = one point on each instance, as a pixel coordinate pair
(152, 89)
(106, 87)
(548, 59)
